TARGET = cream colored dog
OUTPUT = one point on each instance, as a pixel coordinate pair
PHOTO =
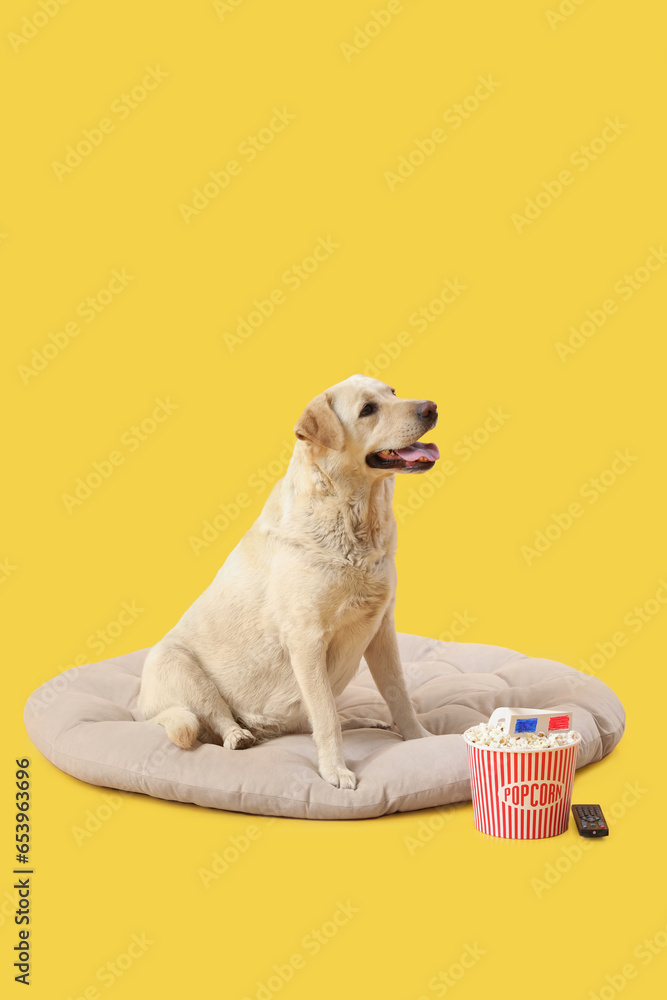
(307, 592)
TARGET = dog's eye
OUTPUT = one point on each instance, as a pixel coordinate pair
(368, 409)
(393, 391)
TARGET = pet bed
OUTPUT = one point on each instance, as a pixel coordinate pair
(86, 722)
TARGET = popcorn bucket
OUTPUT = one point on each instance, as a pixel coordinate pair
(522, 794)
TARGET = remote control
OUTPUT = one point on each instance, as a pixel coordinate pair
(590, 821)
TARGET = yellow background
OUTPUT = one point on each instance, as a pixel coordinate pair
(324, 176)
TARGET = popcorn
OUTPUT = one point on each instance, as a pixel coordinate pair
(495, 738)
(521, 782)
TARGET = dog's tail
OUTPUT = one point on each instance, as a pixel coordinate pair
(181, 724)
(177, 694)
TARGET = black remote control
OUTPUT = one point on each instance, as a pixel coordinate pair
(590, 821)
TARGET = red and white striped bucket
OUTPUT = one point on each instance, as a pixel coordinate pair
(522, 794)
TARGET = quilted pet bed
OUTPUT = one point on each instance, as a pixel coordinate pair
(86, 722)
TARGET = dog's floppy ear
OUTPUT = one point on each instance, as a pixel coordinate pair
(319, 423)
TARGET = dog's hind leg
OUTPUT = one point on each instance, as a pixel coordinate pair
(177, 694)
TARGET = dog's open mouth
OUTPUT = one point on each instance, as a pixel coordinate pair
(417, 457)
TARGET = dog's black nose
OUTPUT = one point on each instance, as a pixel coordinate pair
(427, 410)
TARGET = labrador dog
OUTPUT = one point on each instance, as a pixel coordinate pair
(307, 592)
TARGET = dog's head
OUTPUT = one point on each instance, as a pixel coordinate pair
(360, 426)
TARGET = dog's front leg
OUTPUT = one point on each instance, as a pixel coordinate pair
(310, 668)
(384, 663)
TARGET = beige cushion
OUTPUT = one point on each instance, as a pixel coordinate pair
(85, 722)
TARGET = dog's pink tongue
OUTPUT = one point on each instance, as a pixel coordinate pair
(414, 451)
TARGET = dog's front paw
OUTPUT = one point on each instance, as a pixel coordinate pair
(338, 776)
(238, 739)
